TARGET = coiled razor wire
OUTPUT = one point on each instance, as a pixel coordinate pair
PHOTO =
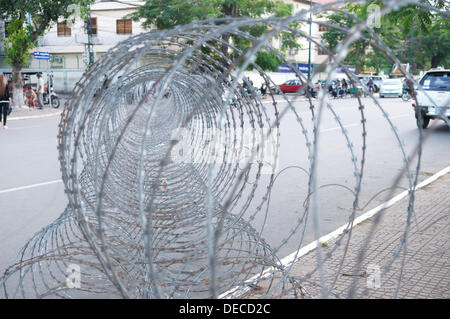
(168, 160)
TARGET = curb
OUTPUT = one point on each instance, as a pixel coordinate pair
(295, 256)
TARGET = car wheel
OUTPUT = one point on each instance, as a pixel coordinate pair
(425, 123)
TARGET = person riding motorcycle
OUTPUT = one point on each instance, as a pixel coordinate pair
(263, 89)
(371, 85)
(406, 95)
(405, 86)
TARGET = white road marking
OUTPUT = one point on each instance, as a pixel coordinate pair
(20, 188)
(357, 124)
(338, 127)
(295, 256)
(33, 117)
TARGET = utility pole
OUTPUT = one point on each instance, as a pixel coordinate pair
(411, 38)
(89, 46)
(309, 53)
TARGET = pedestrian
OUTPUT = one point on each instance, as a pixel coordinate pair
(31, 97)
(338, 88)
(344, 85)
(40, 90)
(5, 100)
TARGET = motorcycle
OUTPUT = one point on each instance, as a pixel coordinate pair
(314, 90)
(49, 96)
(336, 90)
(263, 90)
(405, 95)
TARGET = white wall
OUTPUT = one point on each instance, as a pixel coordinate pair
(107, 13)
(303, 52)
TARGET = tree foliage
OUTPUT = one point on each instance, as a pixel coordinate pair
(430, 35)
(432, 49)
(333, 36)
(23, 35)
(41, 13)
(18, 43)
(166, 14)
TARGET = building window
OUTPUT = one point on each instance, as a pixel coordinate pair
(293, 51)
(64, 30)
(323, 28)
(321, 51)
(124, 27)
(92, 25)
(57, 62)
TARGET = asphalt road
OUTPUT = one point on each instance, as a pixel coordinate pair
(28, 158)
(32, 195)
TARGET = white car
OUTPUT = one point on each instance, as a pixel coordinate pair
(434, 97)
(391, 87)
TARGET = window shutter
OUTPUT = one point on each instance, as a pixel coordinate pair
(124, 27)
(128, 27)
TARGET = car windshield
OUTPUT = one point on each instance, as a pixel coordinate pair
(436, 81)
(392, 82)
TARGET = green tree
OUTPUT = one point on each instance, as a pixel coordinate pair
(413, 18)
(429, 32)
(432, 49)
(333, 36)
(18, 39)
(22, 36)
(165, 14)
(430, 41)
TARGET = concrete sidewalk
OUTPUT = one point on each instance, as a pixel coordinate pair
(426, 270)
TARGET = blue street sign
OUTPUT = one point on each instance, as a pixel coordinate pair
(284, 68)
(350, 68)
(41, 55)
(302, 67)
